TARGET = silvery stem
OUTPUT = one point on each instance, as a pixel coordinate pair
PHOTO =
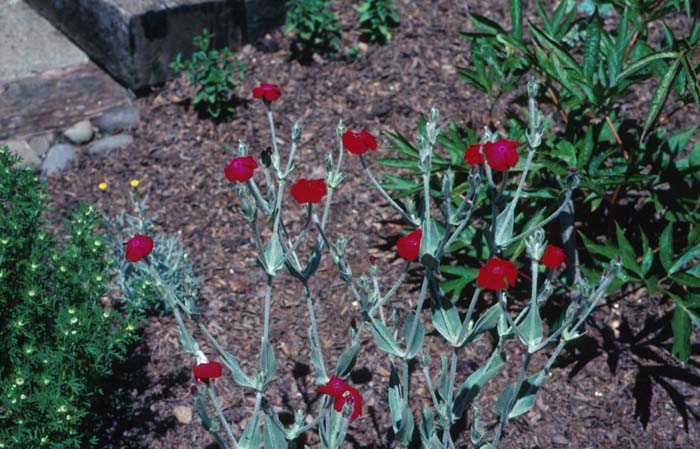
(384, 194)
(220, 414)
(314, 326)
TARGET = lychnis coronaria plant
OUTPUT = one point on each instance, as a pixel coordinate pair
(430, 230)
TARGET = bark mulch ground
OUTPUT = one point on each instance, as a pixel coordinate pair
(616, 388)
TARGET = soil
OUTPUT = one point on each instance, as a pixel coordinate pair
(615, 388)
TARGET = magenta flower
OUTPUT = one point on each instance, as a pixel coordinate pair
(553, 257)
(497, 274)
(240, 169)
(138, 247)
(267, 92)
(502, 155)
(359, 142)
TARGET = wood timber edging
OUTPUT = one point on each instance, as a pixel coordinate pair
(136, 41)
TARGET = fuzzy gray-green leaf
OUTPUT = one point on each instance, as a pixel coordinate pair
(385, 340)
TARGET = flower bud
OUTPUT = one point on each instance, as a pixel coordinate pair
(340, 245)
(242, 148)
(532, 88)
(275, 159)
(535, 245)
(364, 284)
(447, 183)
(345, 271)
(296, 131)
(373, 267)
(328, 162)
(434, 114)
(340, 130)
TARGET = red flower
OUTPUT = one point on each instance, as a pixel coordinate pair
(408, 246)
(502, 155)
(268, 92)
(473, 156)
(240, 169)
(309, 190)
(359, 142)
(209, 370)
(497, 274)
(334, 387)
(553, 257)
(138, 247)
(342, 393)
(354, 397)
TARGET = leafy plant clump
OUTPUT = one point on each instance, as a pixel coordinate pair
(58, 339)
(376, 17)
(633, 171)
(212, 72)
(315, 26)
(139, 289)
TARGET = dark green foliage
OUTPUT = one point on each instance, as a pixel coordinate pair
(58, 340)
(376, 16)
(212, 72)
(315, 26)
(590, 72)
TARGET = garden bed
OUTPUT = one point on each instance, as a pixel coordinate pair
(617, 387)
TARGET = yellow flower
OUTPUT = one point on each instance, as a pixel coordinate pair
(102, 186)
(135, 182)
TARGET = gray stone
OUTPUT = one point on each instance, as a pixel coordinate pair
(23, 150)
(80, 133)
(58, 158)
(106, 145)
(41, 144)
(118, 118)
(137, 39)
(55, 99)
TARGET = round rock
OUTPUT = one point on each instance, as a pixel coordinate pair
(80, 133)
(58, 158)
(23, 150)
(41, 144)
(106, 145)
(118, 118)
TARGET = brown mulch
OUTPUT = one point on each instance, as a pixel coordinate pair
(617, 389)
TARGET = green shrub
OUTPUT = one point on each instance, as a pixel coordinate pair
(590, 72)
(211, 71)
(315, 26)
(376, 16)
(58, 340)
